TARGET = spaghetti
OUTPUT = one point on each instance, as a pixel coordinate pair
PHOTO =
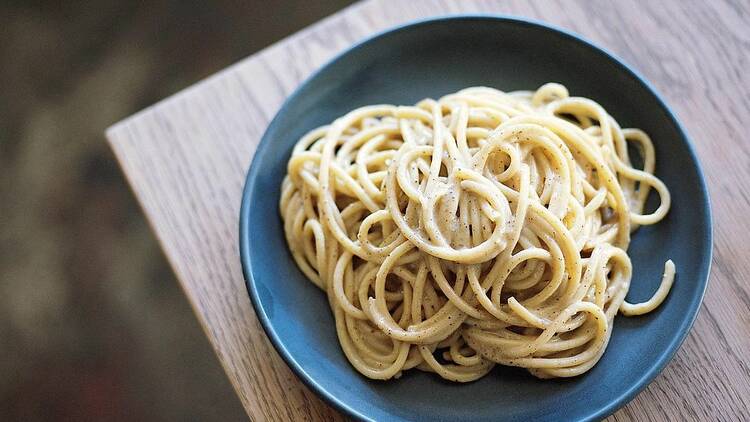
(479, 229)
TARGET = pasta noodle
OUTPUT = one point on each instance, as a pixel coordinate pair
(479, 229)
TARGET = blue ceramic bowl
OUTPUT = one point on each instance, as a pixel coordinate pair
(428, 59)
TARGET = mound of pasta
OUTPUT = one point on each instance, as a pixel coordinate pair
(479, 229)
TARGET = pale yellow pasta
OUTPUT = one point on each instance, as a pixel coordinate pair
(479, 229)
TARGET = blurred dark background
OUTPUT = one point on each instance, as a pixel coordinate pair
(93, 325)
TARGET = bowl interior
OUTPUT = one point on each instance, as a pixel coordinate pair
(429, 59)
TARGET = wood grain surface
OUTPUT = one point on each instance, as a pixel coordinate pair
(186, 159)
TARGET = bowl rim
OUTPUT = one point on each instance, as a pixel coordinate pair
(244, 243)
